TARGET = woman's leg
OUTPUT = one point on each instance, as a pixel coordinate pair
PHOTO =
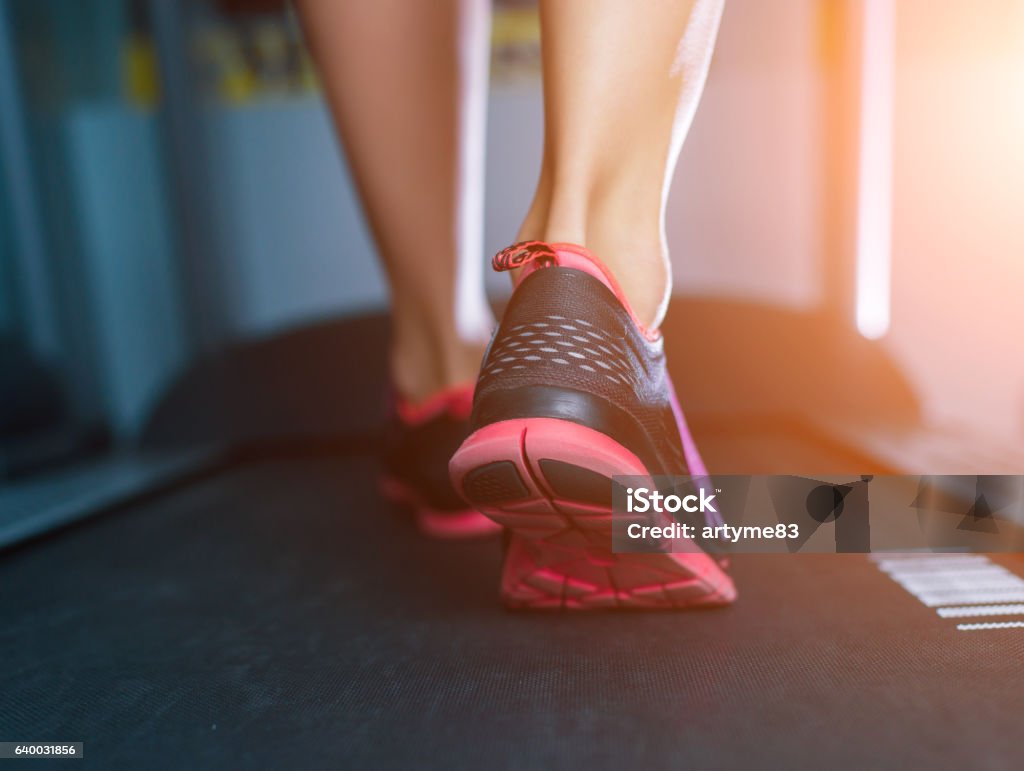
(621, 84)
(574, 390)
(406, 82)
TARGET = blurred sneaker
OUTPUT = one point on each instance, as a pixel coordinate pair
(574, 390)
(421, 440)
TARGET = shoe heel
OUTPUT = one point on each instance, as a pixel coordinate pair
(540, 476)
(549, 482)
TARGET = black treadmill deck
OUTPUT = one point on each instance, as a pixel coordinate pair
(280, 616)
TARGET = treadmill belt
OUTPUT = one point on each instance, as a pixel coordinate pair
(279, 615)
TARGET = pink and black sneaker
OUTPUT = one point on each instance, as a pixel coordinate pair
(420, 440)
(573, 391)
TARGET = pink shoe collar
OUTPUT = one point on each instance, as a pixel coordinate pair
(530, 256)
(456, 401)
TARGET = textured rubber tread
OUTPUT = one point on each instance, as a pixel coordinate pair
(575, 483)
(559, 551)
(494, 483)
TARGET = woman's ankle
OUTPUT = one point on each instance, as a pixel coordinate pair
(424, 365)
(636, 257)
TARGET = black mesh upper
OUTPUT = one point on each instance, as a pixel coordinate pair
(563, 328)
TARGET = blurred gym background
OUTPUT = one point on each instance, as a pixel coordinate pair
(172, 198)
(190, 305)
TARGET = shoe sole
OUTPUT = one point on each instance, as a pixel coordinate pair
(463, 524)
(548, 481)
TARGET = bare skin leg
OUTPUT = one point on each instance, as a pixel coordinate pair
(621, 84)
(406, 82)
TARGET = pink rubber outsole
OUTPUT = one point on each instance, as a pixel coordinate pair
(560, 552)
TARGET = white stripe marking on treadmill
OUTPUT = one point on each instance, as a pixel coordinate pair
(890, 565)
(992, 625)
(949, 579)
(971, 583)
(972, 598)
(969, 611)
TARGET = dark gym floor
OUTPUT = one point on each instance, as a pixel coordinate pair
(280, 615)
